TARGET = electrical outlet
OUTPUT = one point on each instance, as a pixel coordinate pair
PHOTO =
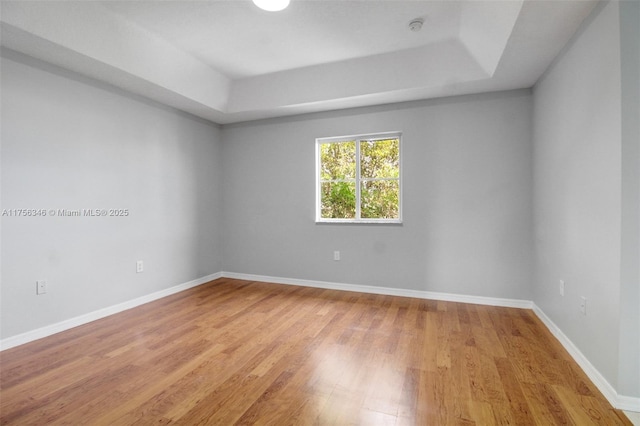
(41, 287)
(336, 255)
(139, 266)
(561, 287)
(583, 305)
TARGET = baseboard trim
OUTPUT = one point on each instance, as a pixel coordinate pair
(618, 401)
(418, 294)
(49, 330)
(621, 402)
(628, 403)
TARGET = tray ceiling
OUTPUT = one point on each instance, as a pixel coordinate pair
(228, 61)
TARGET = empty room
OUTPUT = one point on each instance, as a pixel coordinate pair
(318, 212)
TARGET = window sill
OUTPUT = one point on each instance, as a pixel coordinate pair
(358, 222)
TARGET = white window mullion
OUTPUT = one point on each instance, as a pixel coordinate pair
(319, 185)
(358, 217)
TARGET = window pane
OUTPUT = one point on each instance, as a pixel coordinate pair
(380, 158)
(379, 199)
(338, 161)
(338, 200)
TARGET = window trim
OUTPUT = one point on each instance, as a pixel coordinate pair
(358, 139)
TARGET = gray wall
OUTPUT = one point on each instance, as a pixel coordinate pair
(70, 143)
(467, 180)
(577, 190)
(629, 370)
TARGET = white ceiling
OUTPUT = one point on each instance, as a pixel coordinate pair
(228, 61)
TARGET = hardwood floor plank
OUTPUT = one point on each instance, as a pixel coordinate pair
(444, 335)
(242, 352)
(584, 410)
(263, 410)
(384, 395)
(519, 406)
(461, 381)
(430, 349)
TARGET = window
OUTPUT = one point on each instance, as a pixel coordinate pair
(358, 179)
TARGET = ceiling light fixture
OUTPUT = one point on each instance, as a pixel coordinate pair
(272, 5)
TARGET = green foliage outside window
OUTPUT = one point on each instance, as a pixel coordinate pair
(379, 179)
(338, 200)
(338, 177)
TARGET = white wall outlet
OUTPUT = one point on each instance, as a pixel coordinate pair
(583, 305)
(561, 287)
(336, 255)
(139, 266)
(41, 287)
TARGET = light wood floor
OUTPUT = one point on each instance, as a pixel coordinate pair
(238, 352)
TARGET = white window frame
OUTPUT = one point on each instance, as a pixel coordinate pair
(358, 139)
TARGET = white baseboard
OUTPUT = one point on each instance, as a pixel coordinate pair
(419, 294)
(634, 417)
(621, 402)
(618, 401)
(39, 333)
